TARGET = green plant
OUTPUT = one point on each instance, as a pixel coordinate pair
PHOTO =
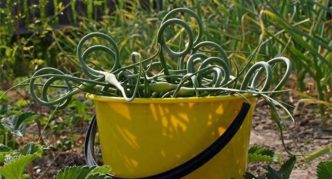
(283, 173)
(266, 155)
(324, 170)
(14, 162)
(13, 120)
(261, 154)
(320, 152)
(83, 172)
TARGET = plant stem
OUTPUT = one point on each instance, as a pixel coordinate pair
(322, 151)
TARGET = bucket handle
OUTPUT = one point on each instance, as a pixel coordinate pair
(185, 168)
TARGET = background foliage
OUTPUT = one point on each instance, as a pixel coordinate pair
(34, 35)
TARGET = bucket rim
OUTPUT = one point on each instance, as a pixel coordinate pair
(171, 100)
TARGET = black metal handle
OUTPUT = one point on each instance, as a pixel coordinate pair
(185, 168)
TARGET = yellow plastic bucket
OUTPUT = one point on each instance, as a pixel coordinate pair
(146, 137)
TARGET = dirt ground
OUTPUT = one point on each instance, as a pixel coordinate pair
(301, 137)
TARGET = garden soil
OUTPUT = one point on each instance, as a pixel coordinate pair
(302, 137)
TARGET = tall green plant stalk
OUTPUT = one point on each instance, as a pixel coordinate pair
(320, 152)
(73, 11)
(55, 4)
(89, 8)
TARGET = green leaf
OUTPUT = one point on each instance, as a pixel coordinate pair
(105, 169)
(324, 170)
(5, 157)
(15, 168)
(273, 174)
(3, 108)
(31, 148)
(16, 124)
(298, 35)
(285, 170)
(260, 154)
(4, 148)
(255, 149)
(3, 96)
(8, 52)
(259, 158)
(21, 103)
(9, 124)
(83, 172)
(22, 118)
(75, 172)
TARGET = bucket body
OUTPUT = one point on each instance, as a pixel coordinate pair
(149, 136)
